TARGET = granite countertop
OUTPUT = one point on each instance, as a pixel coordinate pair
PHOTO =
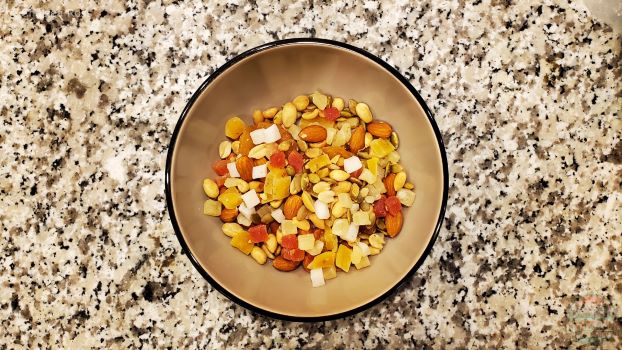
(527, 95)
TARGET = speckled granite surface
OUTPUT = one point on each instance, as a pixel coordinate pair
(527, 96)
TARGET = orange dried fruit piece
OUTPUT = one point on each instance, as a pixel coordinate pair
(246, 142)
(242, 241)
(326, 259)
(234, 127)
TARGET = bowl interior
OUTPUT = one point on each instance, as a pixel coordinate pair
(269, 78)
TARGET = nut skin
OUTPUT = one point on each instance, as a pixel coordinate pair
(389, 184)
(313, 133)
(282, 264)
(357, 140)
(245, 168)
(380, 129)
(394, 223)
(291, 206)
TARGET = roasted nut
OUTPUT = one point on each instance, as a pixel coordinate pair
(313, 133)
(380, 129)
(259, 255)
(284, 265)
(301, 102)
(357, 141)
(291, 206)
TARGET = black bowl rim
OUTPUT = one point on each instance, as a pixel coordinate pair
(184, 113)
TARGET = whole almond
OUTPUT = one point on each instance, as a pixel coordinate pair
(291, 206)
(380, 129)
(389, 184)
(357, 141)
(228, 215)
(313, 133)
(394, 223)
(245, 167)
(282, 264)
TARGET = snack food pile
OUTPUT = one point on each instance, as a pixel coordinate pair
(316, 182)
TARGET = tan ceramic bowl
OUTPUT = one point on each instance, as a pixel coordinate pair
(269, 75)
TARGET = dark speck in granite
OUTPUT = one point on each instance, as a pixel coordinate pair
(527, 97)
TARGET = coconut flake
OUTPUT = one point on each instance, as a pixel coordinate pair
(272, 134)
(278, 215)
(258, 136)
(317, 277)
(352, 164)
(321, 210)
(260, 171)
(250, 198)
(233, 170)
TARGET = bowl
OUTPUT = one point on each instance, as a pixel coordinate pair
(269, 75)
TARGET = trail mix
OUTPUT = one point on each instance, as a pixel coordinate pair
(316, 182)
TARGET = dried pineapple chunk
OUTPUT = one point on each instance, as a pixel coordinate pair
(344, 258)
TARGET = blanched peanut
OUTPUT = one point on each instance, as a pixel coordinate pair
(259, 255)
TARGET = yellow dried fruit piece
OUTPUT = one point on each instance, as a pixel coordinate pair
(280, 188)
(330, 241)
(230, 199)
(306, 241)
(357, 254)
(329, 272)
(372, 165)
(211, 208)
(234, 127)
(316, 164)
(381, 148)
(364, 262)
(242, 242)
(326, 259)
(320, 100)
(343, 258)
(210, 188)
(301, 102)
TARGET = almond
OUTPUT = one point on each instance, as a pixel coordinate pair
(291, 206)
(389, 184)
(228, 215)
(380, 129)
(307, 260)
(313, 133)
(357, 141)
(332, 151)
(245, 168)
(282, 264)
(394, 223)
